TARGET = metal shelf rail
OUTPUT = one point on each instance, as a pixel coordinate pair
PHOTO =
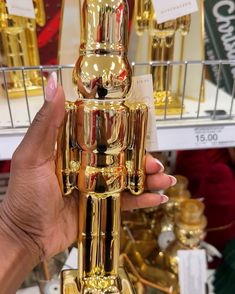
(201, 123)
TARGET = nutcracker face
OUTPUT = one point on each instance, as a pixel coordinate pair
(102, 70)
(190, 238)
(102, 76)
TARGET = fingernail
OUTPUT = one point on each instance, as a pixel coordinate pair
(51, 87)
(164, 199)
(161, 165)
(173, 180)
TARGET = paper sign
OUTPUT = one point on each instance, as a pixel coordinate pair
(23, 8)
(171, 9)
(192, 271)
(142, 91)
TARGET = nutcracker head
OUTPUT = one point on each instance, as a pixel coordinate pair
(102, 70)
(191, 223)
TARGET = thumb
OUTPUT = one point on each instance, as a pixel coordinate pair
(38, 144)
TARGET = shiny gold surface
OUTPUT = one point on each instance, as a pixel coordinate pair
(161, 39)
(18, 47)
(143, 10)
(101, 144)
(137, 250)
(162, 49)
(69, 283)
(164, 227)
(190, 227)
(151, 238)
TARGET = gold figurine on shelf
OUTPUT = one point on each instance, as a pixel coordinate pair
(165, 222)
(18, 47)
(99, 151)
(161, 50)
(162, 42)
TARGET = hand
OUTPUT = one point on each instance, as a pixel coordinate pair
(34, 212)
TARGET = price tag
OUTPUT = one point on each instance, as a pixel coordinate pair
(200, 137)
(215, 136)
(23, 8)
(171, 9)
(142, 91)
(192, 271)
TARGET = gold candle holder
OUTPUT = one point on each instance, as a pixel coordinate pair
(101, 147)
(19, 48)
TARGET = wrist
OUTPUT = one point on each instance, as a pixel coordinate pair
(18, 253)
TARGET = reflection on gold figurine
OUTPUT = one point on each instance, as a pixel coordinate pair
(18, 47)
(101, 147)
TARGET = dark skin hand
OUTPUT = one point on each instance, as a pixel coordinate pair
(36, 222)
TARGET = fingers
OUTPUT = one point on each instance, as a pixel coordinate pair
(130, 202)
(155, 178)
(153, 165)
(159, 181)
(39, 142)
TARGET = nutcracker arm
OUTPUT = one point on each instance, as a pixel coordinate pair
(40, 12)
(136, 150)
(68, 155)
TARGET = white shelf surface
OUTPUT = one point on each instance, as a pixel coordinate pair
(189, 132)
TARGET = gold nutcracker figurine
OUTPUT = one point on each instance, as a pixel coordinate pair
(101, 147)
(18, 47)
(162, 49)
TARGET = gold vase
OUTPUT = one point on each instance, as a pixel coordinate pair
(19, 48)
(101, 147)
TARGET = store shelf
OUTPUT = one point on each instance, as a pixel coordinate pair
(199, 130)
(194, 128)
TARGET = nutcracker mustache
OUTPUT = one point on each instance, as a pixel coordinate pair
(101, 146)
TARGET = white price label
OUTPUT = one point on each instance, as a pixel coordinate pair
(192, 271)
(23, 8)
(171, 9)
(142, 91)
(200, 137)
(215, 136)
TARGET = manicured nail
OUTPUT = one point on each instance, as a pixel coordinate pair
(51, 87)
(164, 199)
(161, 165)
(173, 180)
